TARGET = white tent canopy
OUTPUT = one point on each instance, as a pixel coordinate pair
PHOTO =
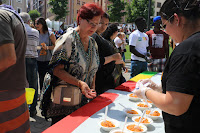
(54, 24)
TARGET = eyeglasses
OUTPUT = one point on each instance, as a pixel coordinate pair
(164, 25)
(91, 23)
(37, 23)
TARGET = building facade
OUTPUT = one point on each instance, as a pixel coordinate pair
(157, 6)
(18, 5)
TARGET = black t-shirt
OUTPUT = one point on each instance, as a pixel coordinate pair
(182, 74)
(103, 75)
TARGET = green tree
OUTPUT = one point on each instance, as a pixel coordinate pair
(115, 10)
(138, 8)
(59, 7)
(34, 14)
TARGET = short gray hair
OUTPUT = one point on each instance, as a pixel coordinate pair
(25, 16)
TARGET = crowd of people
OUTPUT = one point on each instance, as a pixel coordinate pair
(92, 58)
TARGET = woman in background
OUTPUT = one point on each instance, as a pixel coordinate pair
(46, 42)
(107, 56)
(116, 77)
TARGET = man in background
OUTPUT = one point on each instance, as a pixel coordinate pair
(139, 42)
(14, 114)
(158, 46)
(31, 62)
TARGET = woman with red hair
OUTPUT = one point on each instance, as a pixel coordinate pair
(75, 60)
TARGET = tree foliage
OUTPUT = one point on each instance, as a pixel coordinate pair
(34, 14)
(138, 8)
(115, 10)
(59, 7)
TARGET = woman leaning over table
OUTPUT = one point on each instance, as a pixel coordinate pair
(76, 60)
(180, 95)
(107, 58)
(46, 44)
(110, 34)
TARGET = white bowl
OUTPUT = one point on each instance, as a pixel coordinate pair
(143, 108)
(154, 117)
(118, 131)
(107, 129)
(133, 123)
(148, 101)
(131, 115)
(146, 124)
(133, 98)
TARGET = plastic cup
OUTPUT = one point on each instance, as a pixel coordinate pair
(30, 92)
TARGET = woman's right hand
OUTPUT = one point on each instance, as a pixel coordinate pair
(89, 93)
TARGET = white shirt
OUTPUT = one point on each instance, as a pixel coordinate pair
(141, 41)
(117, 41)
(32, 42)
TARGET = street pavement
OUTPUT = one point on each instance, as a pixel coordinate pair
(38, 124)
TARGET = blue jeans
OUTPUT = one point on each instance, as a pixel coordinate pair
(123, 56)
(137, 67)
(32, 78)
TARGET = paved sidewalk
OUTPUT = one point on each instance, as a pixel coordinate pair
(39, 124)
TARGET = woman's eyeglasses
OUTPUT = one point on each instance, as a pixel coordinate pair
(37, 23)
(164, 25)
(91, 23)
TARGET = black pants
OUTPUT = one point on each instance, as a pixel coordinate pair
(55, 119)
(42, 69)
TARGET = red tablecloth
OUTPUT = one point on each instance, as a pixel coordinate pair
(127, 86)
(72, 121)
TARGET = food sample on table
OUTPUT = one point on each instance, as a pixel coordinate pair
(133, 95)
(144, 120)
(107, 124)
(134, 128)
(155, 113)
(147, 101)
(142, 105)
(132, 112)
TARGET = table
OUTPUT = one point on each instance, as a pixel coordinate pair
(115, 111)
(85, 120)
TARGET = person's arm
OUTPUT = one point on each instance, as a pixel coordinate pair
(65, 76)
(135, 52)
(174, 103)
(53, 40)
(7, 56)
(113, 57)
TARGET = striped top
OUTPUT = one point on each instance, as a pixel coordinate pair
(32, 42)
(14, 118)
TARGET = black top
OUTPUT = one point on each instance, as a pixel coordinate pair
(103, 75)
(182, 74)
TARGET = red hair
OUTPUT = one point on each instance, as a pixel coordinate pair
(88, 11)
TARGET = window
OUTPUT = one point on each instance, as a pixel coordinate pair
(158, 5)
(78, 2)
(19, 1)
(19, 10)
(157, 13)
(83, 3)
